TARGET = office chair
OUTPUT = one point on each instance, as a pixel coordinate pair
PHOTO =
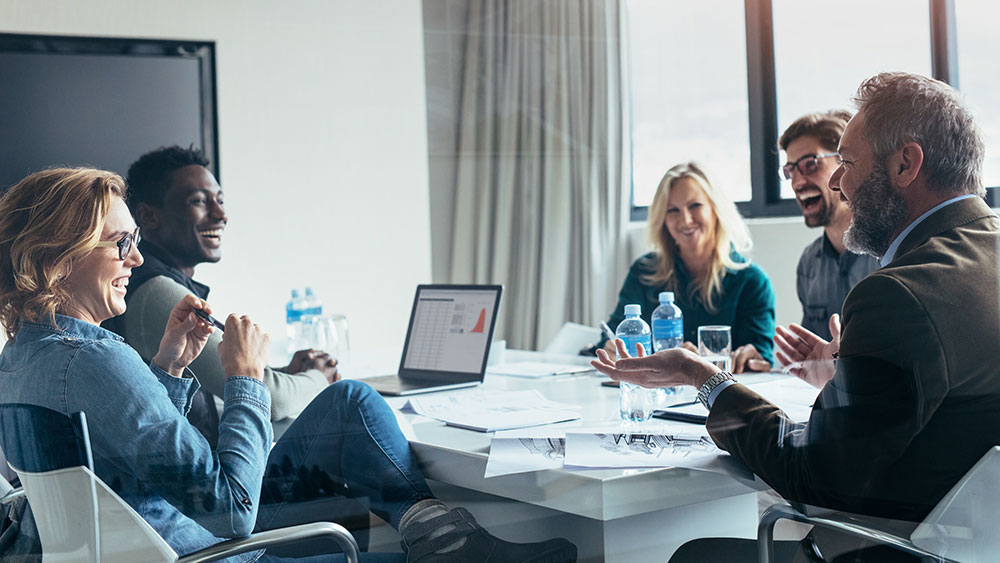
(961, 528)
(80, 519)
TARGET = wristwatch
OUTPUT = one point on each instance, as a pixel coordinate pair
(711, 384)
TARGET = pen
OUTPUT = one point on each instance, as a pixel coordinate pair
(607, 331)
(200, 313)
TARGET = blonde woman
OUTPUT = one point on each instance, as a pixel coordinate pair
(699, 240)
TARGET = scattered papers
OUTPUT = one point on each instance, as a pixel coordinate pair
(514, 452)
(638, 450)
(537, 369)
(520, 451)
(494, 410)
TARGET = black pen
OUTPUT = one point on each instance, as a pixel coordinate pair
(200, 313)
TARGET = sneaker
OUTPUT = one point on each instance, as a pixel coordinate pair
(480, 546)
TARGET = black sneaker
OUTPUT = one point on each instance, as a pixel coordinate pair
(480, 546)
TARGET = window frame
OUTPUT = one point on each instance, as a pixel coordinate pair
(765, 182)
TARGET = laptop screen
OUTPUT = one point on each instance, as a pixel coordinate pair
(450, 329)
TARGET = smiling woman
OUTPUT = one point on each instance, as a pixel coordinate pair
(699, 240)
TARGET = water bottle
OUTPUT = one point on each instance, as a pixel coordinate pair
(293, 322)
(668, 332)
(311, 330)
(635, 403)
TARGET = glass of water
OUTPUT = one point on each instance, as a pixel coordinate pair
(715, 344)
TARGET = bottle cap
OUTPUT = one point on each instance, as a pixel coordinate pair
(666, 297)
(309, 292)
(296, 294)
(633, 310)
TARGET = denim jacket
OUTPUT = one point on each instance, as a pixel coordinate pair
(143, 446)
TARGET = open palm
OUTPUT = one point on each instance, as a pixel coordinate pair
(806, 355)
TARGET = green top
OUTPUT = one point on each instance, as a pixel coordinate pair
(746, 304)
(146, 318)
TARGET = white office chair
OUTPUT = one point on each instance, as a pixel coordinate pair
(961, 528)
(80, 519)
(571, 338)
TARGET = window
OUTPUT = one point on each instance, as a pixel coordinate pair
(696, 97)
(686, 107)
(978, 77)
(823, 51)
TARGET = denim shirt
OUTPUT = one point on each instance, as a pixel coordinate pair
(143, 446)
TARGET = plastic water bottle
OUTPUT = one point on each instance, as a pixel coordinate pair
(668, 332)
(635, 403)
(312, 334)
(293, 322)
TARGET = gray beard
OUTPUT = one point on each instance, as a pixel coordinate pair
(878, 211)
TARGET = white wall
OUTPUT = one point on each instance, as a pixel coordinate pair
(323, 145)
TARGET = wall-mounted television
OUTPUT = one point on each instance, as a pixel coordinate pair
(102, 102)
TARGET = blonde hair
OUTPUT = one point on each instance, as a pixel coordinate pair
(48, 221)
(730, 234)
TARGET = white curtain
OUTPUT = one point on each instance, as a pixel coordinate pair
(542, 168)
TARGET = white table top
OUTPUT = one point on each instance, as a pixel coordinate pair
(458, 457)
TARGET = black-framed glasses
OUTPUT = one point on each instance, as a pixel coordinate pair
(124, 244)
(807, 164)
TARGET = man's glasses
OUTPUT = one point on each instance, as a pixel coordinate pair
(124, 244)
(806, 165)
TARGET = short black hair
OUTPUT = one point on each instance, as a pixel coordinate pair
(149, 176)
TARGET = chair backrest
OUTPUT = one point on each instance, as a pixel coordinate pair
(571, 338)
(79, 518)
(964, 525)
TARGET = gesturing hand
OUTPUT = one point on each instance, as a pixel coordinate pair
(666, 368)
(305, 360)
(244, 346)
(807, 356)
(185, 336)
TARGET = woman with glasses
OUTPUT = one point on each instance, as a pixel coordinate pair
(699, 240)
(67, 249)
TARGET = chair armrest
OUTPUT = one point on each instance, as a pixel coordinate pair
(11, 495)
(770, 517)
(277, 537)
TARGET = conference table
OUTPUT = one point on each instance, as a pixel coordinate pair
(612, 515)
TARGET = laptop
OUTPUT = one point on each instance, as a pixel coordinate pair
(447, 342)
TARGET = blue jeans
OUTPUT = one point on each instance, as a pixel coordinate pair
(343, 456)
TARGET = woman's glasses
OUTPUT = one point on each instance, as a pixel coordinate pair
(806, 165)
(124, 244)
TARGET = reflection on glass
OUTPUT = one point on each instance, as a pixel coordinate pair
(689, 92)
(978, 77)
(823, 52)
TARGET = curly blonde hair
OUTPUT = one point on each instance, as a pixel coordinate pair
(731, 234)
(48, 221)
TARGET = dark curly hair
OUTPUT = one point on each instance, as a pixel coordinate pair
(149, 177)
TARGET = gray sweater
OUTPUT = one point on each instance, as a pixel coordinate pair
(148, 310)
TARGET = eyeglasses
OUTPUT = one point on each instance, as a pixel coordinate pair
(124, 244)
(806, 165)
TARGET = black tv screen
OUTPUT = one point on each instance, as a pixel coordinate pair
(86, 101)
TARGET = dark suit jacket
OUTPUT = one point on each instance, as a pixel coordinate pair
(915, 400)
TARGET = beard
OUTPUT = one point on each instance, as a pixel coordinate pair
(878, 212)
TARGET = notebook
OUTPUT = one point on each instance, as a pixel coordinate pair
(447, 342)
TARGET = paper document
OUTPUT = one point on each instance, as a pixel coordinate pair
(520, 451)
(489, 411)
(537, 369)
(638, 450)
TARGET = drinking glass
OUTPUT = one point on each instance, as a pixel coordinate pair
(715, 344)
